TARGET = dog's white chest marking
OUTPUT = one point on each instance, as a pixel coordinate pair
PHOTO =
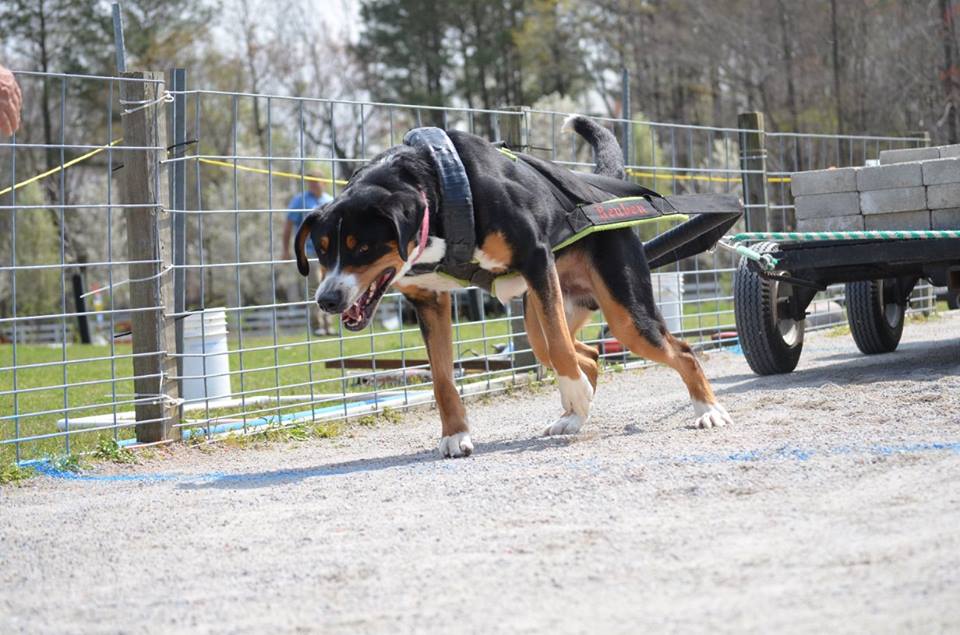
(435, 250)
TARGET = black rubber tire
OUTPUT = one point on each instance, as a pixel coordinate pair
(953, 299)
(758, 327)
(874, 329)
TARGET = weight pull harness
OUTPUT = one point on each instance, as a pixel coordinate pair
(457, 214)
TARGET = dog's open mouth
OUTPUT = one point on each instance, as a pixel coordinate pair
(360, 312)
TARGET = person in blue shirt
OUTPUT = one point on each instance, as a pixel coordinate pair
(300, 205)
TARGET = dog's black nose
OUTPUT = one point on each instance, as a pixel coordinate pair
(330, 301)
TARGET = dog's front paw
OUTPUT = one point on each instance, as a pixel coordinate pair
(576, 394)
(570, 423)
(711, 415)
(456, 446)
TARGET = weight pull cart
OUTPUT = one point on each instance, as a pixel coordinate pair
(779, 274)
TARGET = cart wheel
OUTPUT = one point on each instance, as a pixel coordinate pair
(876, 324)
(953, 299)
(771, 341)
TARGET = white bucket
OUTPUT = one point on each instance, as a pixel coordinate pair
(206, 379)
(668, 292)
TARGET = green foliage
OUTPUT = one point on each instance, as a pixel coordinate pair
(13, 473)
(109, 450)
(69, 463)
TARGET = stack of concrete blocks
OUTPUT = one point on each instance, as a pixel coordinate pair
(918, 188)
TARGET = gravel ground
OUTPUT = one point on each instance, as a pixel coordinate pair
(832, 504)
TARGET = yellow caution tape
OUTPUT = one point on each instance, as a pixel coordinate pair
(66, 165)
(289, 175)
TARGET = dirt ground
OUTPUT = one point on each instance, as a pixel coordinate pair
(832, 504)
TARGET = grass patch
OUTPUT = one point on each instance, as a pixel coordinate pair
(287, 365)
(11, 473)
(109, 450)
(841, 330)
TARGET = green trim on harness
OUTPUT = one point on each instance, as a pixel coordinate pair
(507, 154)
(849, 235)
(627, 223)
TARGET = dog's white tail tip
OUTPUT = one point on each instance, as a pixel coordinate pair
(568, 123)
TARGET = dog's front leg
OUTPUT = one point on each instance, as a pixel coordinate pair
(434, 315)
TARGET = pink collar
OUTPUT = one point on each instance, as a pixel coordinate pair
(424, 229)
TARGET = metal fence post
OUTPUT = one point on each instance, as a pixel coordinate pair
(148, 229)
(753, 169)
(178, 198)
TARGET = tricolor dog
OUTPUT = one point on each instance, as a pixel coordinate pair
(450, 205)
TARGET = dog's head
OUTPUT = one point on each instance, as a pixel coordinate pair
(363, 241)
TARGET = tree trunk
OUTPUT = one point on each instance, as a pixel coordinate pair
(949, 74)
(837, 67)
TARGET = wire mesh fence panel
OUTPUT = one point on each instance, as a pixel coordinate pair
(251, 350)
(66, 365)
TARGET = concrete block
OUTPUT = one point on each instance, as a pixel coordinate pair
(885, 177)
(943, 196)
(949, 152)
(900, 200)
(941, 171)
(889, 157)
(853, 222)
(919, 219)
(825, 205)
(945, 218)
(824, 181)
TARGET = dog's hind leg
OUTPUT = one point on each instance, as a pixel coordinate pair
(434, 315)
(576, 373)
(621, 284)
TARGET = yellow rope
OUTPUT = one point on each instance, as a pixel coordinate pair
(289, 175)
(66, 165)
(695, 177)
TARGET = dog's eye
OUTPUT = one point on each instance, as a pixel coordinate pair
(362, 249)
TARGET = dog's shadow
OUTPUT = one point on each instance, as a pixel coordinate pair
(424, 459)
(936, 358)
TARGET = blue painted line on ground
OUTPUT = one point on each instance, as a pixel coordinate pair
(785, 453)
(270, 420)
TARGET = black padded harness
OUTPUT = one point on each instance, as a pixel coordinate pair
(455, 209)
(455, 205)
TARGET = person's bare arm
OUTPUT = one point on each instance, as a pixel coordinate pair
(10, 101)
(287, 232)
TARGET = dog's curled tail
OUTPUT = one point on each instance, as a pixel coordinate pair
(607, 155)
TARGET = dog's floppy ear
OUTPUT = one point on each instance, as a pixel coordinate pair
(303, 233)
(402, 210)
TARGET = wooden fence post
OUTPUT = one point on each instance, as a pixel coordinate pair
(753, 169)
(151, 286)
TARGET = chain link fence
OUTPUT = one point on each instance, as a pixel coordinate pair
(147, 295)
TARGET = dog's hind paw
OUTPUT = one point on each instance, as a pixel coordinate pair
(711, 415)
(456, 446)
(569, 423)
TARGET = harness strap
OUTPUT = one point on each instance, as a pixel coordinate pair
(456, 199)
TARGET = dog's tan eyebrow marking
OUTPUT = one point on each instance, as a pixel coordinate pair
(324, 243)
(350, 241)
